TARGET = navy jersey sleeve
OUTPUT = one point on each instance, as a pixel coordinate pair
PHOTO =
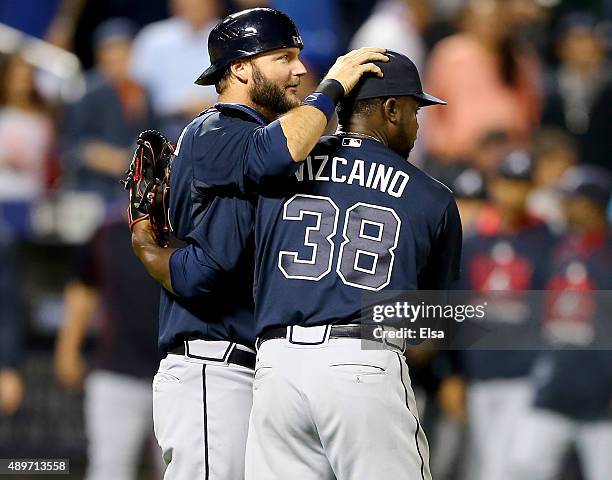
(443, 266)
(239, 155)
(216, 246)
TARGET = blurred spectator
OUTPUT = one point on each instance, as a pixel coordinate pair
(244, 4)
(397, 25)
(471, 194)
(11, 385)
(510, 252)
(555, 151)
(85, 15)
(494, 86)
(572, 405)
(490, 150)
(110, 280)
(170, 55)
(485, 158)
(587, 191)
(580, 91)
(446, 10)
(26, 133)
(522, 13)
(61, 27)
(320, 32)
(101, 128)
(529, 20)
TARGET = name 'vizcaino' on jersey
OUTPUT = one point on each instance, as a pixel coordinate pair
(355, 216)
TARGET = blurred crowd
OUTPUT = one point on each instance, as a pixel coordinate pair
(524, 143)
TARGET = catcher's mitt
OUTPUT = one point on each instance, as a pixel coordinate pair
(147, 180)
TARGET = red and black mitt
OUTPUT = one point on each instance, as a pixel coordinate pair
(147, 180)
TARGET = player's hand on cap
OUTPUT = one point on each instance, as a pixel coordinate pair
(349, 68)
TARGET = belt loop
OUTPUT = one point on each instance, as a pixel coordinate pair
(316, 335)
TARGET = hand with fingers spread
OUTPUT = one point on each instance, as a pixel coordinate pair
(303, 129)
(349, 68)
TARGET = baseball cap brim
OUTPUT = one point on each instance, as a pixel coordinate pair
(427, 99)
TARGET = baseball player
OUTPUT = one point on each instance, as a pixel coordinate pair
(470, 190)
(355, 217)
(203, 389)
(510, 251)
(11, 383)
(573, 388)
(117, 401)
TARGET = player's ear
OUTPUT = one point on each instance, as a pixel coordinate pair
(241, 69)
(391, 110)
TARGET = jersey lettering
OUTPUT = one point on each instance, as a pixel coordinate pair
(369, 175)
(357, 173)
(365, 258)
(318, 238)
(334, 175)
(319, 175)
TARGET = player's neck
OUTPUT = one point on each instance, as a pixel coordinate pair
(363, 129)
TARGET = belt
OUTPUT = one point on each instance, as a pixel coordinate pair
(336, 331)
(236, 357)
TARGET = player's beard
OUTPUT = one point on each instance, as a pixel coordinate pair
(271, 96)
(404, 147)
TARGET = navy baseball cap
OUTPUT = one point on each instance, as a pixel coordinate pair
(401, 79)
(588, 181)
(517, 165)
(470, 184)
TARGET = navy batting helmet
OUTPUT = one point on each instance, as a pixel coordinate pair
(247, 33)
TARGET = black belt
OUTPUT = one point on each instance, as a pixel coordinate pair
(337, 331)
(237, 357)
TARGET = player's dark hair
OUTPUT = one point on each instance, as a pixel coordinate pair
(221, 84)
(366, 107)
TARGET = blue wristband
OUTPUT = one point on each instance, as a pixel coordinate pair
(322, 102)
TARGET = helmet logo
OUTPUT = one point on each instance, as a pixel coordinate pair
(249, 31)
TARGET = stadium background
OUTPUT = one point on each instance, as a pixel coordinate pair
(552, 88)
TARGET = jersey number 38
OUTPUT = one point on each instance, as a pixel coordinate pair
(369, 237)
